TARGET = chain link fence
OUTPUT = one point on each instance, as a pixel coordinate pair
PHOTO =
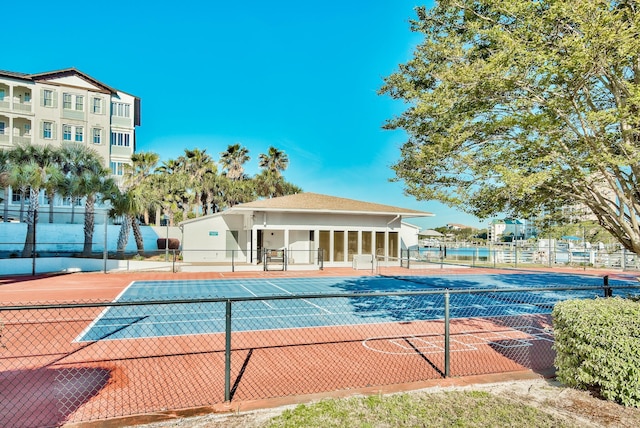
(77, 362)
(611, 257)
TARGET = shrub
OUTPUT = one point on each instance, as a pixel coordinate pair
(598, 347)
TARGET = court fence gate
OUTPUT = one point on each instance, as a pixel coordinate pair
(82, 361)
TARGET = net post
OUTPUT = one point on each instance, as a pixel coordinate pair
(446, 334)
(227, 353)
(233, 266)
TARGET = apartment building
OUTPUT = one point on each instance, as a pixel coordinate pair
(67, 105)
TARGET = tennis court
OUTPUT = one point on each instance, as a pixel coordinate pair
(154, 343)
(129, 322)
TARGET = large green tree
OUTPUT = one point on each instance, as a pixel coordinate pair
(519, 106)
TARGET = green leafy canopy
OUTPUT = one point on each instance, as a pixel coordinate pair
(516, 106)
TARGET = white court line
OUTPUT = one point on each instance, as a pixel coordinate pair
(304, 300)
(100, 316)
(255, 295)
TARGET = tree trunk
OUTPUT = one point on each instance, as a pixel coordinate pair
(89, 223)
(123, 236)
(51, 206)
(137, 234)
(32, 218)
(22, 196)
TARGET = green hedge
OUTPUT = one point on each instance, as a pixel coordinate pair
(597, 345)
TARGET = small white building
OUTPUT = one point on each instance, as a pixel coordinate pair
(309, 227)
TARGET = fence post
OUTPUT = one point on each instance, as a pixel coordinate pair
(227, 353)
(446, 334)
(33, 245)
(608, 292)
(233, 266)
(105, 251)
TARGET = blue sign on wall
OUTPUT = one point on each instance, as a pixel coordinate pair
(213, 233)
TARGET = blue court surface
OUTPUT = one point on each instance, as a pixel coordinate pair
(177, 319)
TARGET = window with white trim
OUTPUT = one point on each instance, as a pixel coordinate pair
(79, 103)
(66, 101)
(27, 129)
(47, 130)
(117, 168)
(27, 97)
(2, 94)
(2, 125)
(97, 136)
(47, 98)
(97, 106)
(120, 109)
(79, 134)
(66, 132)
(120, 139)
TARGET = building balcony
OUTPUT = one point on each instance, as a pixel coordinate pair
(15, 99)
(22, 107)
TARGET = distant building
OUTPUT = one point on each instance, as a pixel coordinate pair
(67, 105)
(458, 226)
(506, 227)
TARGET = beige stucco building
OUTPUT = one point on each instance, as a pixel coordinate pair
(56, 107)
(308, 226)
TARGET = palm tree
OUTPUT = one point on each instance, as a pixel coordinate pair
(52, 186)
(274, 161)
(212, 189)
(74, 159)
(93, 183)
(138, 176)
(37, 176)
(121, 206)
(197, 164)
(173, 181)
(19, 180)
(233, 160)
(270, 183)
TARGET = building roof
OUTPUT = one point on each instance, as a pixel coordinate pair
(59, 73)
(314, 202)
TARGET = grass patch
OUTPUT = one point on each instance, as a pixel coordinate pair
(451, 409)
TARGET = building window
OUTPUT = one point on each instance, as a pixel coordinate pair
(79, 134)
(120, 109)
(66, 101)
(97, 106)
(79, 103)
(2, 125)
(120, 139)
(47, 130)
(66, 201)
(1, 94)
(47, 98)
(117, 168)
(66, 132)
(27, 97)
(27, 129)
(97, 135)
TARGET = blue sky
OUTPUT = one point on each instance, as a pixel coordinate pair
(301, 76)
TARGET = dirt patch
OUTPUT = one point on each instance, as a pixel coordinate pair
(579, 407)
